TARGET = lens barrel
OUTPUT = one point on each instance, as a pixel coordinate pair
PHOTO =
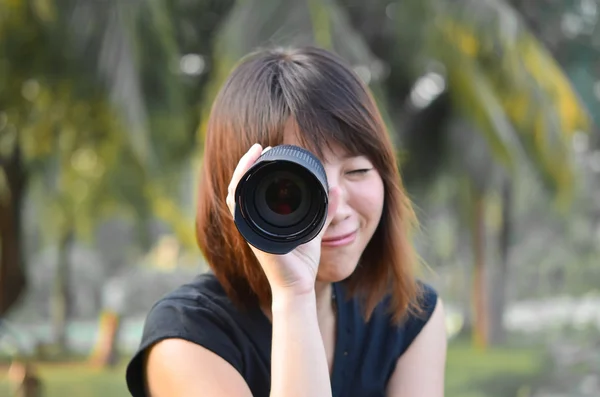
(281, 201)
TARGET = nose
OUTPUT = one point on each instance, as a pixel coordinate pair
(343, 210)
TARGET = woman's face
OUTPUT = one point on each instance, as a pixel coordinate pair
(357, 215)
(356, 218)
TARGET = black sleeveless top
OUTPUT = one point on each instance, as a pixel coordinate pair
(200, 312)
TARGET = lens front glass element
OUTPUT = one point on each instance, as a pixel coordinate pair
(283, 196)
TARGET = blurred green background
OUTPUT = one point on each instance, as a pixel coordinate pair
(492, 106)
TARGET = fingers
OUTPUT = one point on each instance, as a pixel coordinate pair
(265, 150)
(244, 164)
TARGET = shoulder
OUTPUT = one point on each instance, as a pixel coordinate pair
(380, 342)
(204, 287)
(198, 312)
(415, 320)
(406, 331)
(423, 308)
(419, 370)
(200, 304)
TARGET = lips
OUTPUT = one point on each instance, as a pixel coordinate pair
(341, 240)
(339, 237)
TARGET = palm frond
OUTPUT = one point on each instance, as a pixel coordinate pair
(102, 35)
(504, 80)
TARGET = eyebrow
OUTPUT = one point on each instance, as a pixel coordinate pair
(351, 156)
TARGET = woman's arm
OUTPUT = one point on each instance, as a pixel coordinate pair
(298, 360)
(178, 368)
(420, 370)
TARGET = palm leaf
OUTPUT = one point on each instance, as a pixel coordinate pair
(131, 47)
(103, 35)
(503, 79)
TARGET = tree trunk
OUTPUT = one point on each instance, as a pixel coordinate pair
(24, 380)
(480, 315)
(466, 298)
(61, 302)
(105, 352)
(12, 276)
(498, 287)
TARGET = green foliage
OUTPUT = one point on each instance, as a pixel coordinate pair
(61, 120)
(77, 105)
(501, 79)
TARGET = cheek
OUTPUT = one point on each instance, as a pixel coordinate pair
(369, 197)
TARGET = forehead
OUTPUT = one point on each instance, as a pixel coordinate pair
(331, 152)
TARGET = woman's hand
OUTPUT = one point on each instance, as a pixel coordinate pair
(293, 273)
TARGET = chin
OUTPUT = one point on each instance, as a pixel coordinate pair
(333, 270)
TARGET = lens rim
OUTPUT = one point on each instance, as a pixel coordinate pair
(283, 240)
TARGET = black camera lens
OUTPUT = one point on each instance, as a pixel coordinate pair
(283, 196)
(281, 201)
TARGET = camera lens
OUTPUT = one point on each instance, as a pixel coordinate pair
(281, 202)
(283, 196)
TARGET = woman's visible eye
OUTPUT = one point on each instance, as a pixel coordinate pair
(359, 171)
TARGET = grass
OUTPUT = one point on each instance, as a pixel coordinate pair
(76, 379)
(504, 372)
(470, 373)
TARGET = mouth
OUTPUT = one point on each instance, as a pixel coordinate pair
(338, 241)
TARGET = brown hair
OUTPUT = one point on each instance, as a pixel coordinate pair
(329, 104)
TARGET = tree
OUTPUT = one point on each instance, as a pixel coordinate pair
(79, 81)
(60, 130)
(77, 89)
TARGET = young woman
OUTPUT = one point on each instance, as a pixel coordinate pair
(342, 315)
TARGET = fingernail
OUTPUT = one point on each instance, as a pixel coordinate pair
(266, 149)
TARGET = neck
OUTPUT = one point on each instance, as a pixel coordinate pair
(323, 292)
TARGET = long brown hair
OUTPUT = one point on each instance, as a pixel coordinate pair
(329, 104)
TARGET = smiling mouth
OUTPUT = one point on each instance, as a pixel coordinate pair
(339, 240)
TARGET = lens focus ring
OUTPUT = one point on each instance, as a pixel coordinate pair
(301, 156)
